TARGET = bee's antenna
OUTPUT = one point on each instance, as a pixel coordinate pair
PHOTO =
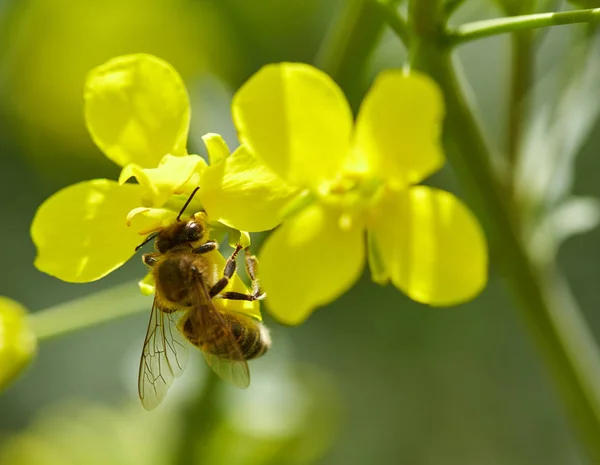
(187, 202)
(148, 239)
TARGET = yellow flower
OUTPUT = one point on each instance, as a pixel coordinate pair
(17, 341)
(349, 190)
(137, 112)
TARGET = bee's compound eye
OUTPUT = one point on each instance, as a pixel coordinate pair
(193, 231)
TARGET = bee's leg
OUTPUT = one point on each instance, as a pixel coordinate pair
(251, 269)
(241, 296)
(228, 272)
(150, 259)
(208, 246)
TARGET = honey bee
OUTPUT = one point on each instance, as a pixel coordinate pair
(186, 284)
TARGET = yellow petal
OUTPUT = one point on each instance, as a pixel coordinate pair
(17, 341)
(398, 128)
(169, 178)
(243, 193)
(311, 260)
(216, 147)
(156, 217)
(377, 265)
(295, 119)
(137, 110)
(433, 246)
(237, 237)
(80, 231)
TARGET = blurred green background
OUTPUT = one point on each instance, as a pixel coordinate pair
(372, 379)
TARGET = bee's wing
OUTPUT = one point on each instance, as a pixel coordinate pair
(216, 335)
(164, 357)
(234, 372)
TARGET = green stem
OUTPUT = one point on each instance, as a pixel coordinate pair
(451, 6)
(491, 27)
(200, 418)
(115, 302)
(552, 317)
(521, 75)
(394, 20)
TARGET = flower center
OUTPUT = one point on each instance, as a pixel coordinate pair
(351, 189)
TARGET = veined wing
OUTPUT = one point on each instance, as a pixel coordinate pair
(234, 372)
(164, 357)
(218, 344)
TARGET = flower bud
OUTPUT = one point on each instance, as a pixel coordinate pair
(17, 340)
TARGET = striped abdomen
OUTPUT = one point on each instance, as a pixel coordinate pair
(252, 336)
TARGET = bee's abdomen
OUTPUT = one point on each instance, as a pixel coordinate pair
(252, 337)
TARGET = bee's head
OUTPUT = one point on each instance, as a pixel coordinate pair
(193, 231)
(179, 233)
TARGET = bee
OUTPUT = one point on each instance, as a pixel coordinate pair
(186, 285)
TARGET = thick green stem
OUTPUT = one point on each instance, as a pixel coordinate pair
(198, 421)
(553, 319)
(491, 27)
(100, 307)
(521, 75)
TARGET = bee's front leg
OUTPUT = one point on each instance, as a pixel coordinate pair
(150, 259)
(208, 246)
(241, 296)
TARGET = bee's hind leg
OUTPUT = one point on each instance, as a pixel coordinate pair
(229, 271)
(251, 269)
